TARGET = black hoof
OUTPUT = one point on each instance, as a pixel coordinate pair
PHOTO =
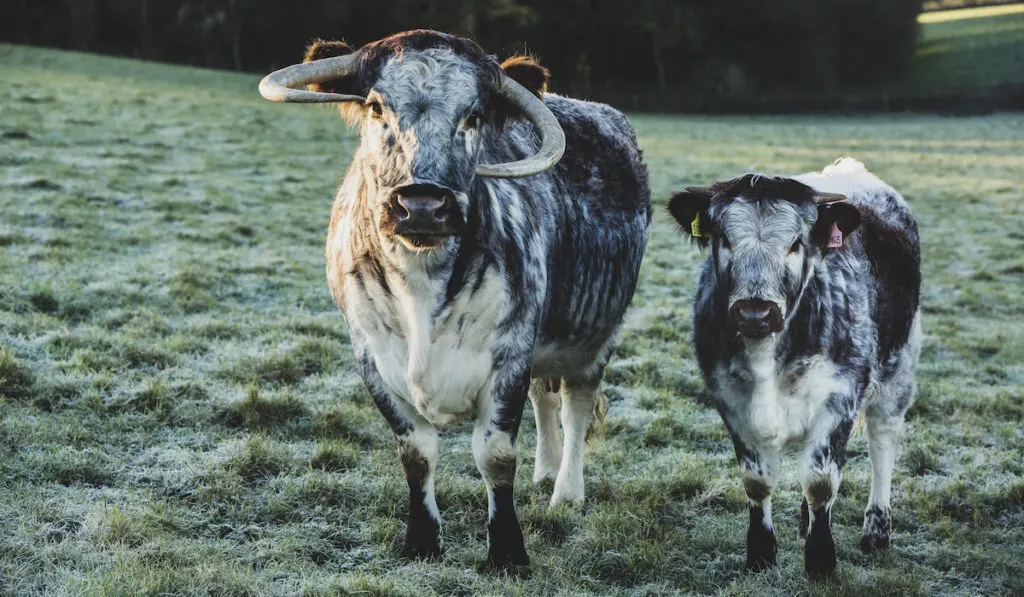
(819, 559)
(872, 543)
(513, 564)
(422, 542)
(820, 549)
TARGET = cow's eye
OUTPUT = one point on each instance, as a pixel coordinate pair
(725, 242)
(795, 247)
(376, 110)
(473, 120)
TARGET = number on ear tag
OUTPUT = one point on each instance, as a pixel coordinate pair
(695, 226)
(835, 237)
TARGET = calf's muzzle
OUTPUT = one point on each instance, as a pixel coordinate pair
(756, 318)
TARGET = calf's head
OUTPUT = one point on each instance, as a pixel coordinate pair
(427, 104)
(766, 235)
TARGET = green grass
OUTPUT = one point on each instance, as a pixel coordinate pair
(971, 49)
(179, 410)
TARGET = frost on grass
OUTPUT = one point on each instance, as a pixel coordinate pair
(180, 413)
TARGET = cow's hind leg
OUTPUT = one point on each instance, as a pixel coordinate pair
(884, 437)
(579, 395)
(544, 396)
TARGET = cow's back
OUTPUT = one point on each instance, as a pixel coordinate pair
(888, 237)
(601, 228)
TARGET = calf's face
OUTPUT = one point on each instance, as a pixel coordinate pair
(766, 235)
(430, 103)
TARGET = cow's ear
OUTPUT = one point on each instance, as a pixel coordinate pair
(352, 112)
(836, 222)
(528, 72)
(690, 210)
(320, 49)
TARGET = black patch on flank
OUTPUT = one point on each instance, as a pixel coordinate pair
(506, 548)
(762, 547)
(894, 253)
(820, 549)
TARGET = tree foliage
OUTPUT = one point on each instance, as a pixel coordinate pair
(691, 48)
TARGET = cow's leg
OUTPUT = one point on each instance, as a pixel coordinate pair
(759, 468)
(549, 436)
(823, 461)
(884, 436)
(418, 450)
(494, 448)
(579, 395)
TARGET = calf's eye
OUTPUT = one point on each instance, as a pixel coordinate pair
(795, 247)
(376, 110)
(725, 243)
(473, 120)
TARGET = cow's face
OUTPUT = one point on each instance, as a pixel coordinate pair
(431, 101)
(766, 235)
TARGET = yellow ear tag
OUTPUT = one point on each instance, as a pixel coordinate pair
(695, 227)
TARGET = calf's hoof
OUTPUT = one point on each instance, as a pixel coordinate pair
(422, 544)
(762, 549)
(877, 530)
(819, 560)
(513, 562)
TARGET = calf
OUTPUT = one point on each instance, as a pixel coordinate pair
(468, 259)
(806, 315)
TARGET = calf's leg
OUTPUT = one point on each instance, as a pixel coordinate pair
(823, 464)
(549, 436)
(759, 468)
(884, 437)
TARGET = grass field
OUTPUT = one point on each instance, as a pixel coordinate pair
(180, 412)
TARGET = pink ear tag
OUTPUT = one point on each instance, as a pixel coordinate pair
(835, 237)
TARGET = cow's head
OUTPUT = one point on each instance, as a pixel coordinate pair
(766, 236)
(426, 104)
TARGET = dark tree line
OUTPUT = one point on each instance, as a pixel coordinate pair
(682, 51)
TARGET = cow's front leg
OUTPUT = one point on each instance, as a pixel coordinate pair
(578, 398)
(759, 467)
(823, 464)
(418, 450)
(494, 448)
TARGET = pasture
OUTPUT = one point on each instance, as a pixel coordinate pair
(179, 411)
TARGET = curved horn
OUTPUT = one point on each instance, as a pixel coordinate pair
(279, 86)
(823, 198)
(552, 139)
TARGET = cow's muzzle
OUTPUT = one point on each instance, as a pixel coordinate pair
(423, 214)
(756, 318)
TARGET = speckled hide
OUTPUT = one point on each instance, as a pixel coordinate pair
(532, 280)
(805, 316)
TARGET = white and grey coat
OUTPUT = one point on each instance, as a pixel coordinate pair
(806, 315)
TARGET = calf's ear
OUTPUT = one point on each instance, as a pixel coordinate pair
(690, 208)
(528, 72)
(836, 221)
